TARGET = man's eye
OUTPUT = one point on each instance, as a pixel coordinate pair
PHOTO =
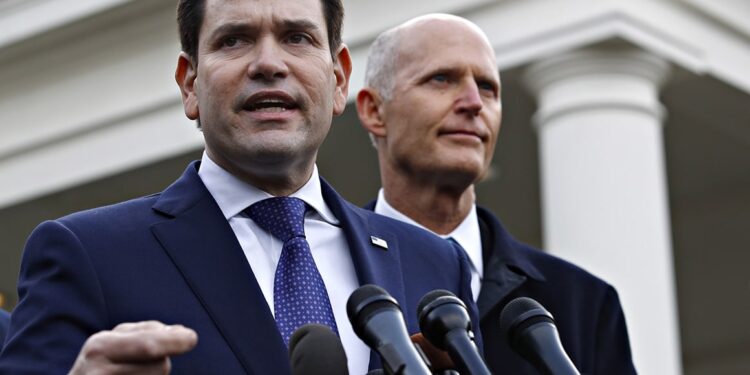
(440, 78)
(230, 41)
(298, 38)
(486, 86)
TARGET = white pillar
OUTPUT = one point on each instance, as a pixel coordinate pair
(604, 194)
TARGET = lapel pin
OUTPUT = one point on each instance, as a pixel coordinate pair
(377, 241)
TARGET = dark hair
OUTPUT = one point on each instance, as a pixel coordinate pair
(190, 18)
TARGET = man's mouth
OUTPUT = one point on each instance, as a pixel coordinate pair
(270, 102)
(459, 132)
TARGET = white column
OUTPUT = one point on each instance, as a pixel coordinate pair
(604, 194)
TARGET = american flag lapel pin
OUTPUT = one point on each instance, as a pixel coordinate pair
(377, 241)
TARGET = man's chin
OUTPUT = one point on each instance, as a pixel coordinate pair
(462, 160)
(461, 173)
(273, 153)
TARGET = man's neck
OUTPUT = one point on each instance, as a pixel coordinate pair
(278, 179)
(440, 209)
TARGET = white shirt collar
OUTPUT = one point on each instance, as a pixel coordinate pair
(466, 234)
(234, 195)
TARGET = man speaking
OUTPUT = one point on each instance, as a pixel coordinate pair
(432, 107)
(212, 275)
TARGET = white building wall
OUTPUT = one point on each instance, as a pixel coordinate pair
(100, 103)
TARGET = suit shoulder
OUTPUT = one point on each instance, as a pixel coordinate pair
(558, 270)
(381, 222)
(418, 238)
(121, 215)
(552, 267)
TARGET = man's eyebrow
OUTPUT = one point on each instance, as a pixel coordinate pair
(232, 28)
(439, 69)
(242, 27)
(299, 24)
(489, 78)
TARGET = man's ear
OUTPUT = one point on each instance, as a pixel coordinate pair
(342, 69)
(369, 105)
(185, 75)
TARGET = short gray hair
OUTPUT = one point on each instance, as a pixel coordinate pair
(381, 63)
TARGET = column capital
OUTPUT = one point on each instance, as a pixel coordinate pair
(608, 76)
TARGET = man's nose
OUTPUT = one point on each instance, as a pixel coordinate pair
(268, 61)
(470, 100)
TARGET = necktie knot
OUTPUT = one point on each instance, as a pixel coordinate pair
(455, 243)
(283, 217)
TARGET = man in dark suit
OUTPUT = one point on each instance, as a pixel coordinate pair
(432, 107)
(4, 323)
(241, 238)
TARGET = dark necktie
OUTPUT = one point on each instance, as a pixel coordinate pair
(456, 244)
(299, 294)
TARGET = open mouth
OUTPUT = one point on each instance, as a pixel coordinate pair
(270, 102)
(269, 105)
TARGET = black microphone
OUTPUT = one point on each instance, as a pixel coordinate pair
(445, 322)
(315, 350)
(532, 333)
(377, 319)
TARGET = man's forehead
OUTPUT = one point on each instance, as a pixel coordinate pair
(444, 43)
(441, 20)
(219, 12)
(443, 31)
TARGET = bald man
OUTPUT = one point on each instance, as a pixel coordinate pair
(432, 108)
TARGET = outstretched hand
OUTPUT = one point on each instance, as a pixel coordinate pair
(134, 348)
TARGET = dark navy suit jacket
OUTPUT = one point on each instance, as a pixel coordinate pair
(4, 322)
(173, 257)
(586, 309)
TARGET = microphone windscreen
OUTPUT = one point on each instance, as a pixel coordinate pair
(531, 332)
(314, 349)
(440, 312)
(365, 302)
(439, 359)
(431, 296)
(521, 313)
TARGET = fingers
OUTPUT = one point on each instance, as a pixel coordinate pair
(134, 348)
(139, 326)
(142, 342)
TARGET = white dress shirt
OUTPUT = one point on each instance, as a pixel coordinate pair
(466, 234)
(262, 250)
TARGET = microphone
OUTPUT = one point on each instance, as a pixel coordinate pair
(315, 350)
(377, 319)
(532, 333)
(445, 322)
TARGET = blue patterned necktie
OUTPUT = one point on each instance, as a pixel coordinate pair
(299, 294)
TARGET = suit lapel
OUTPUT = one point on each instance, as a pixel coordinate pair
(204, 248)
(373, 264)
(500, 279)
